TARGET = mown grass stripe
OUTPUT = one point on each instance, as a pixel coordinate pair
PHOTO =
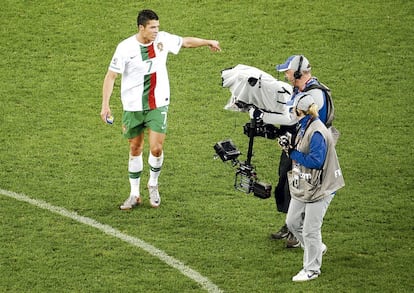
(182, 268)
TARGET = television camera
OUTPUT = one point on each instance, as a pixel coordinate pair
(246, 179)
(252, 87)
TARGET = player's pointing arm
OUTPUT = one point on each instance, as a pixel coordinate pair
(192, 42)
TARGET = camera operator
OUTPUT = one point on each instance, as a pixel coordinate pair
(297, 71)
(313, 181)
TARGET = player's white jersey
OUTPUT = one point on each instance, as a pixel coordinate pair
(145, 83)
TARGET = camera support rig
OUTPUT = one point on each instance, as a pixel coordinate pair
(246, 179)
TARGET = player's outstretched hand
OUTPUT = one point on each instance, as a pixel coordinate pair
(214, 46)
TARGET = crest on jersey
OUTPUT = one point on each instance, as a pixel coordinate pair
(160, 46)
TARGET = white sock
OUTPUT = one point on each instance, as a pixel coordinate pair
(155, 168)
(135, 166)
(134, 183)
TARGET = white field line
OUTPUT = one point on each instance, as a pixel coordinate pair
(185, 270)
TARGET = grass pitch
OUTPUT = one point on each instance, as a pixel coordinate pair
(53, 147)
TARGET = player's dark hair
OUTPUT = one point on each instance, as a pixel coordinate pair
(146, 15)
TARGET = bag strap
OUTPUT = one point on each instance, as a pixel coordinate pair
(330, 109)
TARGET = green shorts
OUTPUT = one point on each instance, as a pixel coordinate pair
(134, 123)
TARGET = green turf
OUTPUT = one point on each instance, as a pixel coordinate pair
(54, 147)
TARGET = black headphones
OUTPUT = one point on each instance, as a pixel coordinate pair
(297, 74)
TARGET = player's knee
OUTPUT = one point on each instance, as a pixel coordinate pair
(136, 145)
(135, 150)
(156, 151)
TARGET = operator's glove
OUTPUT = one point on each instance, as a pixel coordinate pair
(255, 113)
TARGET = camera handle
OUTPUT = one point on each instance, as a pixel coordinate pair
(252, 131)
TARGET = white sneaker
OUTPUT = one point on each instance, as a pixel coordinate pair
(154, 196)
(130, 203)
(324, 248)
(303, 276)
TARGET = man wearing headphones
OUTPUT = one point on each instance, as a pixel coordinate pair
(297, 71)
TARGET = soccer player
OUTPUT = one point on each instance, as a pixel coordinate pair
(145, 95)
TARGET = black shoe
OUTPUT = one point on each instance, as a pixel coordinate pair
(281, 234)
(292, 242)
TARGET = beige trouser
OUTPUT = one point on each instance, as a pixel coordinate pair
(305, 220)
